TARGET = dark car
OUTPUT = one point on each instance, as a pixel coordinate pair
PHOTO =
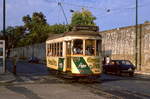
(33, 60)
(119, 66)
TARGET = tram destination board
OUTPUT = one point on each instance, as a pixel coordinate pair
(88, 28)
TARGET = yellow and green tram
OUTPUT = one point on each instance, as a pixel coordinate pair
(77, 52)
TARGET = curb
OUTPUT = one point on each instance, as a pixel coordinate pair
(7, 78)
(142, 73)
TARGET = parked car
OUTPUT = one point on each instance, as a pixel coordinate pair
(119, 66)
(33, 60)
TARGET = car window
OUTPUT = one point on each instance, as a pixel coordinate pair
(126, 63)
(117, 62)
(112, 63)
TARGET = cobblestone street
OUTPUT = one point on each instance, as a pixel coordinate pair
(33, 81)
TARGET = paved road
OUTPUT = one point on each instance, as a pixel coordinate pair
(24, 68)
(110, 86)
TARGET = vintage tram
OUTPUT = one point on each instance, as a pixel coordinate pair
(76, 53)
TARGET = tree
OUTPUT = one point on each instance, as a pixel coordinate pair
(36, 26)
(38, 29)
(12, 36)
(58, 28)
(84, 17)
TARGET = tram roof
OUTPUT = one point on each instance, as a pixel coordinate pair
(74, 33)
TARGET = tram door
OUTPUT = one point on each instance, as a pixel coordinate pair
(68, 56)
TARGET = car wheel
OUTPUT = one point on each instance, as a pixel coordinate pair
(131, 74)
(119, 73)
(104, 71)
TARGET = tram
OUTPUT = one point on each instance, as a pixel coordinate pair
(77, 53)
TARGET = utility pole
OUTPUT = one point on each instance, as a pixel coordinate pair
(4, 20)
(136, 35)
(59, 3)
(4, 26)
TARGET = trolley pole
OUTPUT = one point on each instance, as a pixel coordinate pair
(59, 3)
(136, 36)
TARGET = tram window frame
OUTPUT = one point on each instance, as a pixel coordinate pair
(90, 50)
(75, 49)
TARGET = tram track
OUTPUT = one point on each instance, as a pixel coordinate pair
(86, 84)
(96, 88)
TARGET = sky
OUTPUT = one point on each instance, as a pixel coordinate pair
(121, 12)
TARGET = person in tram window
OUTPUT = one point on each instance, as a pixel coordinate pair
(77, 50)
(89, 50)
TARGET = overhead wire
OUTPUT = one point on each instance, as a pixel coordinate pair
(85, 6)
(107, 10)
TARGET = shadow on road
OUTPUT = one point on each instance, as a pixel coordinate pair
(25, 68)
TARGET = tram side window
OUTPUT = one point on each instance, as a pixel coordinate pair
(49, 50)
(61, 50)
(53, 49)
(50, 54)
(89, 47)
(55, 53)
(78, 46)
(57, 49)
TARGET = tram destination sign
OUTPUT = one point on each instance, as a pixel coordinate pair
(88, 28)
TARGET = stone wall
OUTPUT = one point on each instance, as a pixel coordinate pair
(120, 44)
(146, 47)
(117, 43)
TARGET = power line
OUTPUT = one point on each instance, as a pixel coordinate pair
(82, 6)
(98, 8)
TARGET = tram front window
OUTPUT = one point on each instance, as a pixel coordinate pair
(89, 47)
(78, 46)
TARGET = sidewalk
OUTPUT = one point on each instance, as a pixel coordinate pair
(142, 73)
(7, 77)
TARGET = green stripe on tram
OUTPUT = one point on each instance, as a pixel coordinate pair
(81, 65)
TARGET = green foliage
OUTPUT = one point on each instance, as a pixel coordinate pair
(58, 28)
(13, 35)
(84, 17)
(38, 29)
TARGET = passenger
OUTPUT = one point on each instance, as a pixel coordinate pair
(107, 60)
(77, 50)
(89, 50)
